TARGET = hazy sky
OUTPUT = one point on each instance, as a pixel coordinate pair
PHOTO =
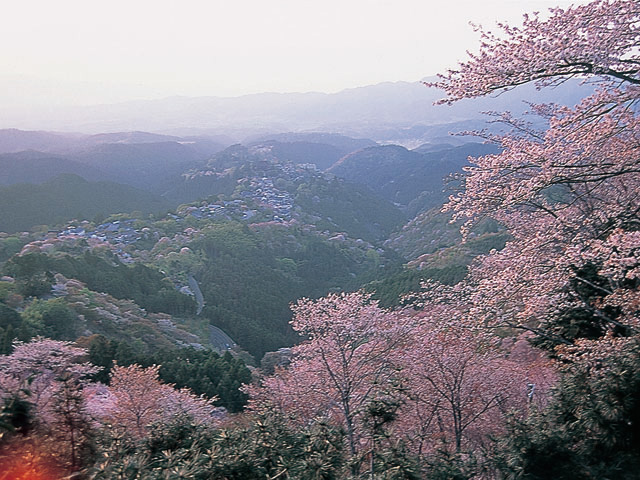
(88, 51)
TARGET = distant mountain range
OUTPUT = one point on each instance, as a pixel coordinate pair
(139, 159)
(400, 112)
(144, 160)
(14, 140)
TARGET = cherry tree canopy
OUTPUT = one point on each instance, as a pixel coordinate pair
(350, 359)
(136, 398)
(570, 195)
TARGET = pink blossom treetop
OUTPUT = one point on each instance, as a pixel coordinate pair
(570, 195)
(600, 38)
(461, 379)
(136, 398)
(38, 366)
(348, 360)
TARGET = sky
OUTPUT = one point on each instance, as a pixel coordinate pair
(82, 52)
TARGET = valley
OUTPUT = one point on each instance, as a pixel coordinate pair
(256, 227)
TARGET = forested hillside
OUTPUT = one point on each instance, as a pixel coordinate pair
(253, 222)
(307, 305)
(408, 178)
(69, 196)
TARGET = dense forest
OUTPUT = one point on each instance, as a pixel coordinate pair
(292, 318)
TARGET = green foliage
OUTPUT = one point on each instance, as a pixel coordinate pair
(390, 290)
(584, 319)
(415, 180)
(102, 353)
(444, 464)
(245, 292)
(203, 371)
(69, 196)
(433, 232)
(52, 319)
(16, 415)
(33, 277)
(144, 285)
(589, 430)
(249, 278)
(178, 434)
(11, 328)
(264, 449)
(6, 288)
(10, 246)
(447, 266)
(395, 463)
(206, 373)
(350, 208)
(72, 427)
(537, 449)
(267, 448)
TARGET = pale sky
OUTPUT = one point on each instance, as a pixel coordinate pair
(58, 52)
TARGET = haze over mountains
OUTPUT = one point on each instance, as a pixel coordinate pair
(312, 193)
(364, 136)
(400, 112)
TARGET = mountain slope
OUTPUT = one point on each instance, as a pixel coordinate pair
(280, 190)
(69, 196)
(13, 140)
(321, 155)
(143, 165)
(411, 179)
(36, 167)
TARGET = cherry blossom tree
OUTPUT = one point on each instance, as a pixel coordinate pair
(599, 38)
(39, 366)
(425, 378)
(348, 360)
(136, 399)
(462, 380)
(49, 376)
(569, 195)
(463, 385)
(72, 426)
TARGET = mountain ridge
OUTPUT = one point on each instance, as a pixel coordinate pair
(374, 111)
